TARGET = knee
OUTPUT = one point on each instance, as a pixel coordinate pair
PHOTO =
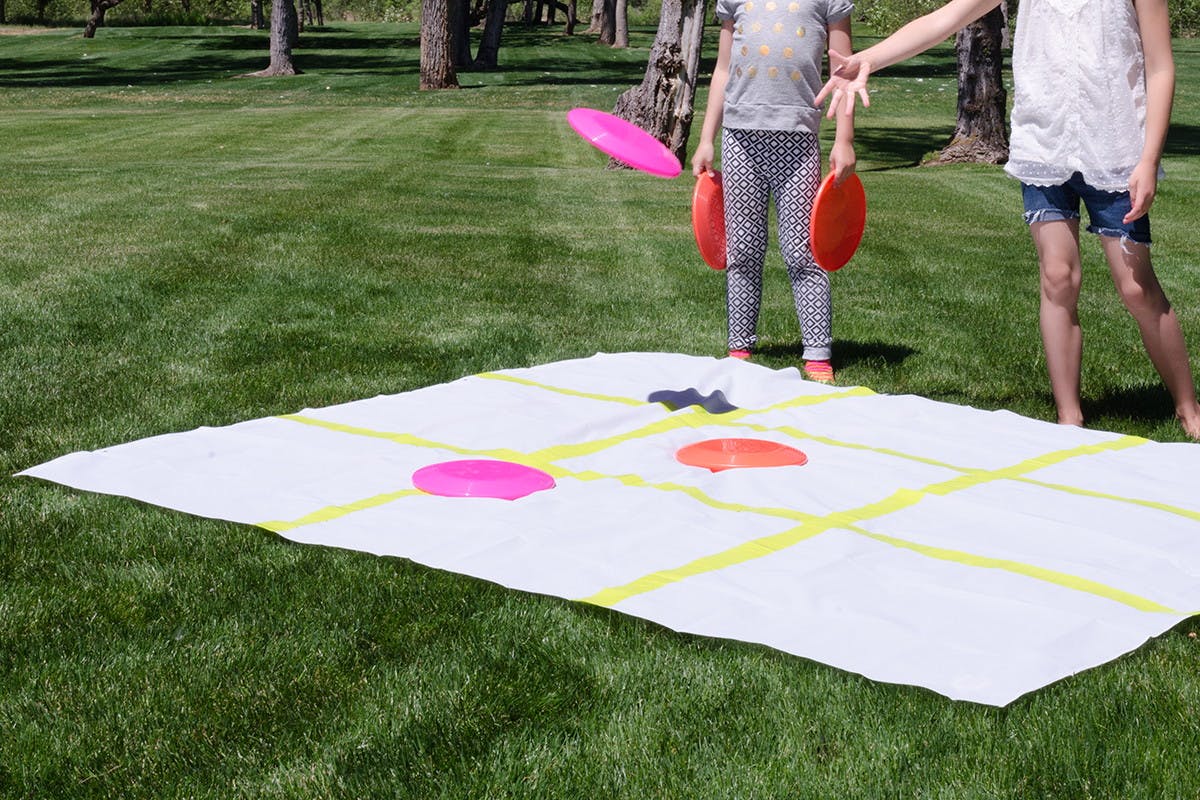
(1142, 296)
(1061, 280)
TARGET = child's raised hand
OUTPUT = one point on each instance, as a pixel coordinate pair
(848, 77)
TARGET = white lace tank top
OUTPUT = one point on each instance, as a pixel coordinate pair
(1079, 103)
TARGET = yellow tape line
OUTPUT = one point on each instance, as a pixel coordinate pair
(810, 525)
(497, 376)
(333, 512)
(904, 498)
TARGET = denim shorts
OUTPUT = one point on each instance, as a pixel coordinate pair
(1106, 210)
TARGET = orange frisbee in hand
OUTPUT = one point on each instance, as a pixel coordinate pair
(721, 454)
(708, 219)
(839, 215)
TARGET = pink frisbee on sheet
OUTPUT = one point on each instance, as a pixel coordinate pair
(624, 141)
(502, 480)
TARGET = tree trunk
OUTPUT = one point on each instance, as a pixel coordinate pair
(437, 62)
(3, 17)
(460, 33)
(663, 104)
(572, 17)
(257, 21)
(99, 9)
(489, 44)
(320, 12)
(621, 24)
(283, 34)
(607, 24)
(980, 135)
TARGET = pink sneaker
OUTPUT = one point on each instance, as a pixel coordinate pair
(742, 354)
(819, 371)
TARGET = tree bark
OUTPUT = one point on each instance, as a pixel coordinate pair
(257, 20)
(460, 33)
(980, 135)
(664, 103)
(437, 62)
(606, 25)
(572, 17)
(96, 19)
(284, 25)
(489, 44)
(621, 24)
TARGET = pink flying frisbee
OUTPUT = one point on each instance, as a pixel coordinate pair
(502, 480)
(624, 141)
(722, 454)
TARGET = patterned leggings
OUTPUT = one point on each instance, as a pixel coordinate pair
(756, 165)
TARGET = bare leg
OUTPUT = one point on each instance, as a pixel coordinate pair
(1129, 263)
(1057, 243)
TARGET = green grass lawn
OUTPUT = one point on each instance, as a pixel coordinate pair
(181, 247)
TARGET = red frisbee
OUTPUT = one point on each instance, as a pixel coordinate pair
(624, 141)
(481, 478)
(708, 219)
(721, 454)
(835, 228)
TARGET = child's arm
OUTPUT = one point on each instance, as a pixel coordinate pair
(1160, 95)
(850, 72)
(841, 155)
(702, 159)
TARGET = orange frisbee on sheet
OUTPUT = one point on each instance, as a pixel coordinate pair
(721, 454)
(708, 219)
(839, 215)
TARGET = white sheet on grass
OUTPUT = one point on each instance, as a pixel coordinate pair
(978, 554)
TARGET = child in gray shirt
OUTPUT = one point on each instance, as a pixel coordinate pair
(762, 94)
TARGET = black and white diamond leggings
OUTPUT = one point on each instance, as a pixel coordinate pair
(755, 166)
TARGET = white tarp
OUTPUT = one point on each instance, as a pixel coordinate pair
(979, 554)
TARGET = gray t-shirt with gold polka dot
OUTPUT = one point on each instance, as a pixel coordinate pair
(775, 63)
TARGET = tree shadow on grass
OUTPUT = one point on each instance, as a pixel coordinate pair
(1183, 140)
(900, 148)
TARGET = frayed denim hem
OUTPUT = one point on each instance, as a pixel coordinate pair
(1048, 215)
(1127, 240)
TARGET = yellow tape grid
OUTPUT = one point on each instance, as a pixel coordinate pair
(809, 525)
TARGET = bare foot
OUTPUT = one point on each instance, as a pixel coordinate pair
(1191, 423)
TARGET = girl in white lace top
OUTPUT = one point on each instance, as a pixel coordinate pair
(1094, 82)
